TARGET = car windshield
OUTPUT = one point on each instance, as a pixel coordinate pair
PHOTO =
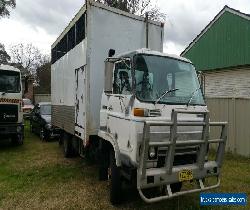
(155, 75)
(27, 101)
(45, 109)
(9, 81)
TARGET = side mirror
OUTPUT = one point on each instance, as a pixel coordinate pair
(201, 78)
(108, 85)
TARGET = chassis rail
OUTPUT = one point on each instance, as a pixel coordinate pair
(169, 174)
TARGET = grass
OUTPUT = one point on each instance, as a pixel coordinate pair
(37, 176)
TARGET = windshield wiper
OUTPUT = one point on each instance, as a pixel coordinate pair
(3, 93)
(192, 95)
(165, 93)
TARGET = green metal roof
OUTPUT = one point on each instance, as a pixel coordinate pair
(225, 42)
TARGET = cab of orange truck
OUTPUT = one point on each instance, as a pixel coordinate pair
(11, 115)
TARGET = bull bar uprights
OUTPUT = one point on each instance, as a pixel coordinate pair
(169, 174)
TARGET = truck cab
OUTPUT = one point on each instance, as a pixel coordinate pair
(11, 116)
(154, 117)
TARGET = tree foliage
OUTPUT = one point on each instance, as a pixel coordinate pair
(4, 57)
(28, 56)
(137, 7)
(5, 6)
(44, 79)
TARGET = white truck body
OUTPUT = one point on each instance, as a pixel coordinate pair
(106, 28)
(11, 115)
(124, 103)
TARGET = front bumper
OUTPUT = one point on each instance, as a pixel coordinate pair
(168, 173)
(11, 128)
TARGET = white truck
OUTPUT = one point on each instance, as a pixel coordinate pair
(11, 116)
(141, 111)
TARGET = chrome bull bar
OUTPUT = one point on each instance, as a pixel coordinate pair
(169, 174)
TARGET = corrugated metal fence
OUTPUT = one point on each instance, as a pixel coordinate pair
(237, 112)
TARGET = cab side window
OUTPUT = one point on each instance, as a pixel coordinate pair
(122, 78)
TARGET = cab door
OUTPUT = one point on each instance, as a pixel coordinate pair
(119, 105)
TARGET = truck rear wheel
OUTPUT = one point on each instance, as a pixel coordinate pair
(67, 145)
(103, 165)
(43, 134)
(115, 181)
(103, 159)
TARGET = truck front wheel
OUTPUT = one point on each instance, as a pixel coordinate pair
(115, 180)
(176, 187)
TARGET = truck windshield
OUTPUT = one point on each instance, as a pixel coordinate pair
(155, 75)
(9, 81)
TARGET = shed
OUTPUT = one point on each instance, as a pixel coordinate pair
(222, 53)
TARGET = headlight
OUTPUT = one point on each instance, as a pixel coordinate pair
(48, 126)
(143, 112)
(19, 129)
(152, 153)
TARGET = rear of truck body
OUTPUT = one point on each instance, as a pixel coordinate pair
(11, 116)
(155, 142)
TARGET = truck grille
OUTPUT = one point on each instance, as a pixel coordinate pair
(8, 113)
(154, 113)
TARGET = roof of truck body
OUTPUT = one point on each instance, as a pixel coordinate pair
(152, 52)
(101, 6)
(8, 68)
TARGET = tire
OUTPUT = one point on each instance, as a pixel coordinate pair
(67, 145)
(115, 181)
(103, 160)
(91, 152)
(103, 173)
(103, 165)
(17, 139)
(75, 146)
(43, 135)
(176, 187)
(60, 140)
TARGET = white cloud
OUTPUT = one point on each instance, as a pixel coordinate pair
(17, 32)
(186, 19)
(41, 21)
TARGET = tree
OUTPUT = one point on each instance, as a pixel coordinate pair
(5, 6)
(4, 57)
(4, 12)
(28, 56)
(138, 7)
(44, 79)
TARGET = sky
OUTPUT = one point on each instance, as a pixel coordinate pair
(41, 21)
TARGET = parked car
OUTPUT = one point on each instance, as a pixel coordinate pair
(27, 107)
(40, 122)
